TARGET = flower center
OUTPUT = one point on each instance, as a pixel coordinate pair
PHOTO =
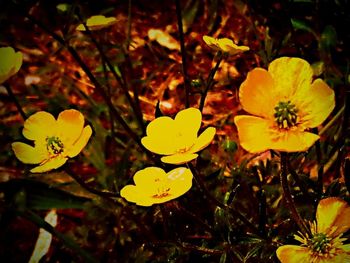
(319, 243)
(54, 145)
(286, 115)
(162, 190)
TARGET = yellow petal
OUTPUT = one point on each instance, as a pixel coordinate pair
(293, 141)
(160, 136)
(333, 212)
(164, 39)
(211, 42)
(132, 194)
(187, 124)
(315, 104)
(179, 158)
(81, 142)
(70, 125)
(181, 181)
(49, 165)
(254, 133)
(147, 180)
(39, 126)
(97, 22)
(10, 63)
(293, 254)
(203, 140)
(28, 154)
(227, 45)
(257, 93)
(290, 75)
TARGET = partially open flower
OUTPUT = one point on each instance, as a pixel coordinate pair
(177, 138)
(325, 243)
(154, 186)
(97, 22)
(285, 102)
(54, 140)
(10, 63)
(224, 45)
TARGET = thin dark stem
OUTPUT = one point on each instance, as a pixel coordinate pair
(288, 196)
(15, 101)
(320, 164)
(183, 53)
(122, 83)
(217, 202)
(210, 81)
(296, 178)
(104, 193)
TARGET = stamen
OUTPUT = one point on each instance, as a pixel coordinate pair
(286, 115)
(54, 145)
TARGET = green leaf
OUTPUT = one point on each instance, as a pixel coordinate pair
(26, 193)
(302, 25)
(189, 14)
(328, 37)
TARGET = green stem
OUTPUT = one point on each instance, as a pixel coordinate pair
(210, 81)
(216, 202)
(15, 101)
(183, 53)
(288, 196)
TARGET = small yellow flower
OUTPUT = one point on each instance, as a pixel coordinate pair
(54, 140)
(325, 245)
(97, 22)
(177, 138)
(154, 186)
(224, 45)
(286, 102)
(10, 63)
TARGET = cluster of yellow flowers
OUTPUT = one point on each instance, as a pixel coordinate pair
(284, 102)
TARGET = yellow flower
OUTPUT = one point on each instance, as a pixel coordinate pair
(10, 63)
(54, 140)
(285, 102)
(177, 138)
(325, 245)
(224, 45)
(154, 186)
(97, 22)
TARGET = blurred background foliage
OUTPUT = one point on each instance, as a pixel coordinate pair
(94, 223)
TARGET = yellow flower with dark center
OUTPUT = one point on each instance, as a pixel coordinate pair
(54, 140)
(325, 245)
(154, 186)
(224, 45)
(10, 63)
(97, 22)
(286, 102)
(177, 138)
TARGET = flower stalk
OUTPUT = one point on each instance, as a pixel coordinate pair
(15, 101)
(183, 53)
(210, 80)
(288, 196)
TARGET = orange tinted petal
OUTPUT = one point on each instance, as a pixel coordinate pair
(293, 141)
(160, 135)
(315, 104)
(257, 94)
(290, 76)
(39, 126)
(70, 125)
(179, 158)
(51, 164)
(28, 154)
(293, 254)
(79, 145)
(333, 212)
(254, 133)
(203, 140)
